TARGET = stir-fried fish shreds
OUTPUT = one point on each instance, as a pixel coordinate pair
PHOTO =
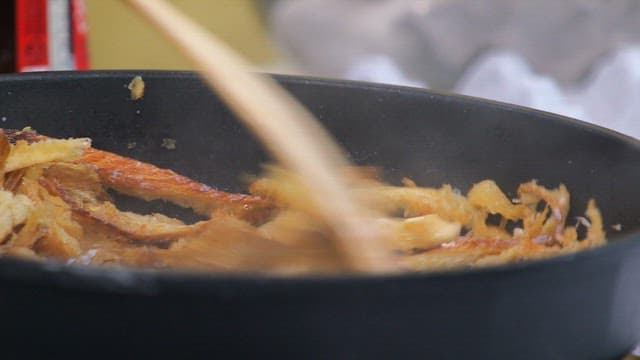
(54, 204)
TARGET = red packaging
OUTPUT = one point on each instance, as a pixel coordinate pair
(46, 35)
(80, 30)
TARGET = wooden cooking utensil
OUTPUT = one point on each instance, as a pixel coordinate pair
(285, 127)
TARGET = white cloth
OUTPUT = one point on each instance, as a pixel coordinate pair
(608, 97)
(571, 57)
(433, 41)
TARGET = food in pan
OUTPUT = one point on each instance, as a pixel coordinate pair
(56, 204)
(136, 87)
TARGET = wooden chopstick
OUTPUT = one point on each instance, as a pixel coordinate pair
(285, 127)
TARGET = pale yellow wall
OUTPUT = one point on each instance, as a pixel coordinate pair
(119, 39)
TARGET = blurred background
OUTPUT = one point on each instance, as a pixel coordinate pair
(119, 39)
(579, 58)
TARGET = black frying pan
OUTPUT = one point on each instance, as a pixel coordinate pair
(585, 306)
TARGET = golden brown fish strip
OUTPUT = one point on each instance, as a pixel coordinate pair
(558, 201)
(57, 243)
(25, 154)
(5, 150)
(154, 227)
(460, 253)
(19, 252)
(418, 201)
(14, 211)
(149, 182)
(488, 196)
(423, 232)
(80, 186)
(225, 244)
(49, 229)
(595, 233)
(12, 180)
(76, 183)
(230, 244)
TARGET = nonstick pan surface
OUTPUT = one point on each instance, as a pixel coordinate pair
(584, 306)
